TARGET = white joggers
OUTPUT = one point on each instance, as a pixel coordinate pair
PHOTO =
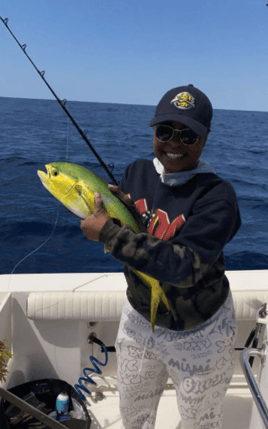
(200, 363)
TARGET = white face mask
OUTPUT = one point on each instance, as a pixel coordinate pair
(181, 177)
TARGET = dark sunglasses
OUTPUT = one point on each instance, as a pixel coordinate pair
(164, 133)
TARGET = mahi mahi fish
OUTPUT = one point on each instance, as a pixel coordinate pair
(75, 187)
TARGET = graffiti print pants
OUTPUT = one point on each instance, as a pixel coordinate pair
(200, 363)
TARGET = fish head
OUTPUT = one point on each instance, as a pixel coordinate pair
(63, 182)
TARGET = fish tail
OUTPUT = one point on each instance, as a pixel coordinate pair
(157, 295)
(164, 299)
(155, 301)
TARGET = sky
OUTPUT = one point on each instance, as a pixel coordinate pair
(133, 51)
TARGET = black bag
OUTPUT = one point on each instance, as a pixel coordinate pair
(46, 392)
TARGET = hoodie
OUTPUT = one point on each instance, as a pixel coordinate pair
(188, 224)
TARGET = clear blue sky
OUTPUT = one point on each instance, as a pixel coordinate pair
(133, 51)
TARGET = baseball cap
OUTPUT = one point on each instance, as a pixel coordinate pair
(187, 105)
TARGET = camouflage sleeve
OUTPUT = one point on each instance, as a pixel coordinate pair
(185, 259)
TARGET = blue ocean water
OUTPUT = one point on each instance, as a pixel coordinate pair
(36, 132)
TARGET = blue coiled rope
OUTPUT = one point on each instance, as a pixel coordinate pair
(96, 370)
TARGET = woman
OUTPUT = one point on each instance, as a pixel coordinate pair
(190, 214)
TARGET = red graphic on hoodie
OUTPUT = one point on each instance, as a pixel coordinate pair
(159, 225)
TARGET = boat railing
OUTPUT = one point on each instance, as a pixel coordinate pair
(253, 386)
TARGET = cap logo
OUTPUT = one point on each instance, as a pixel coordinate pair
(184, 101)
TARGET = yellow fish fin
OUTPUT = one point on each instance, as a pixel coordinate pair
(87, 196)
(157, 294)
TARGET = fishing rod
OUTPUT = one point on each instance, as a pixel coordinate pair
(62, 103)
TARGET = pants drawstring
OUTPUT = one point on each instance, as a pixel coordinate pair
(143, 354)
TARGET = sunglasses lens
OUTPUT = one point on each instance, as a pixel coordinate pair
(164, 133)
(188, 137)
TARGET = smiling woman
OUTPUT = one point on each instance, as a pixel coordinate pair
(181, 127)
(190, 214)
(174, 154)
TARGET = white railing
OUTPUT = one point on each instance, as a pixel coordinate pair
(255, 391)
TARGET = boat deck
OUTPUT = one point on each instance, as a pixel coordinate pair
(237, 411)
(46, 321)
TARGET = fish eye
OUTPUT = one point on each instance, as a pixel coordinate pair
(55, 173)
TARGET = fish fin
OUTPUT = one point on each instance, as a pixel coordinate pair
(155, 301)
(164, 298)
(88, 197)
(157, 294)
(78, 187)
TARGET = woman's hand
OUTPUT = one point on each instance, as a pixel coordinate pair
(93, 225)
(115, 189)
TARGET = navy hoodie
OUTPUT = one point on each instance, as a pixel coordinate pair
(187, 228)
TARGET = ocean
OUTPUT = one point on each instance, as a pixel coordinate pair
(37, 132)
